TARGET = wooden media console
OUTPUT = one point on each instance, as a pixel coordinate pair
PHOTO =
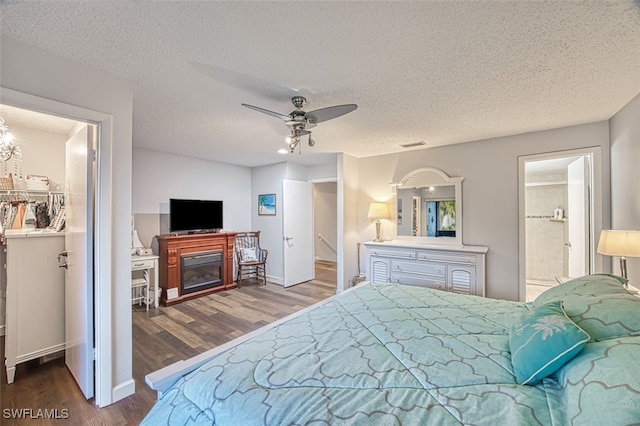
(195, 265)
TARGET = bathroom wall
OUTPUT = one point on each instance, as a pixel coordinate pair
(545, 236)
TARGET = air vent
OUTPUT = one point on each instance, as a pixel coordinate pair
(413, 144)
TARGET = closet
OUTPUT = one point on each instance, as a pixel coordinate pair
(32, 235)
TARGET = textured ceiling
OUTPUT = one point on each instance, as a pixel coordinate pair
(440, 72)
(17, 117)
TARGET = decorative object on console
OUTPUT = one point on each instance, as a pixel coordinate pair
(620, 243)
(378, 211)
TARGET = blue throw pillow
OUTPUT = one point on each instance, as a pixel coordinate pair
(542, 341)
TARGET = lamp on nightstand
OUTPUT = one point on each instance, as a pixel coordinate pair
(620, 243)
(378, 211)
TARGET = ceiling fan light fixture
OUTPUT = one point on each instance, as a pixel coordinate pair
(300, 121)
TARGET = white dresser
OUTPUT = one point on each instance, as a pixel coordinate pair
(35, 297)
(459, 269)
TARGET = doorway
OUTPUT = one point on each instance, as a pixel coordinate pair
(556, 219)
(325, 224)
(46, 142)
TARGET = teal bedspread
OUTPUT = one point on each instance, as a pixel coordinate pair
(389, 355)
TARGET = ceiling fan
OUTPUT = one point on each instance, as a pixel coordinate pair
(300, 121)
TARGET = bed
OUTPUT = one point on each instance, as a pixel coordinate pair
(397, 354)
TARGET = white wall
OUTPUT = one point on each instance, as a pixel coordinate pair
(26, 69)
(625, 177)
(325, 220)
(323, 172)
(349, 213)
(489, 190)
(43, 153)
(159, 176)
(268, 180)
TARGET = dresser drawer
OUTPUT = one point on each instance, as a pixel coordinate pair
(419, 280)
(141, 264)
(437, 269)
(446, 257)
(396, 254)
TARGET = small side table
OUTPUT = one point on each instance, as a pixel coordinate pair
(148, 263)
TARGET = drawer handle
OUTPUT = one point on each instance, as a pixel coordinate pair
(138, 264)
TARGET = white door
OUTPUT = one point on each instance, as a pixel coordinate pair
(297, 216)
(578, 217)
(79, 247)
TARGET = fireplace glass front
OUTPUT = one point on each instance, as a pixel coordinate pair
(200, 271)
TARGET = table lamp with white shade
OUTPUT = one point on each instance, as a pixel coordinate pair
(378, 211)
(620, 243)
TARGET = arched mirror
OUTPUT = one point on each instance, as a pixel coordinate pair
(429, 207)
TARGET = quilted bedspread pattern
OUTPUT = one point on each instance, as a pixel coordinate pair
(380, 354)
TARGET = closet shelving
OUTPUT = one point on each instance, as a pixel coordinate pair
(28, 192)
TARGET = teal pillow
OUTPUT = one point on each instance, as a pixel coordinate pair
(543, 340)
(598, 304)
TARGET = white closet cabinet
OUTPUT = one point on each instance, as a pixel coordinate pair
(459, 269)
(35, 297)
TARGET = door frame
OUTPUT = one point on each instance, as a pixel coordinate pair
(596, 208)
(102, 227)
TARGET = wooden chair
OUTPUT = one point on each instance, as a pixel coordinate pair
(251, 260)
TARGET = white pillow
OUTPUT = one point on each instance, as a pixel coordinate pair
(248, 254)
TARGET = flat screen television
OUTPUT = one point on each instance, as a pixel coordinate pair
(194, 215)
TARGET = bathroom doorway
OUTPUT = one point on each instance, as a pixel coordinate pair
(557, 219)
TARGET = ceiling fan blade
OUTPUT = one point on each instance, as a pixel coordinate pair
(271, 113)
(324, 114)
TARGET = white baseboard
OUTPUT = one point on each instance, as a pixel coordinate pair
(275, 280)
(123, 390)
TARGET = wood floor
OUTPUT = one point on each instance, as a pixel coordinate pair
(161, 336)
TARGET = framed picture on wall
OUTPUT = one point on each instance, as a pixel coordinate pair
(267, 204)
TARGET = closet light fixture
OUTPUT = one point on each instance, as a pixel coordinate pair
(7, 148)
